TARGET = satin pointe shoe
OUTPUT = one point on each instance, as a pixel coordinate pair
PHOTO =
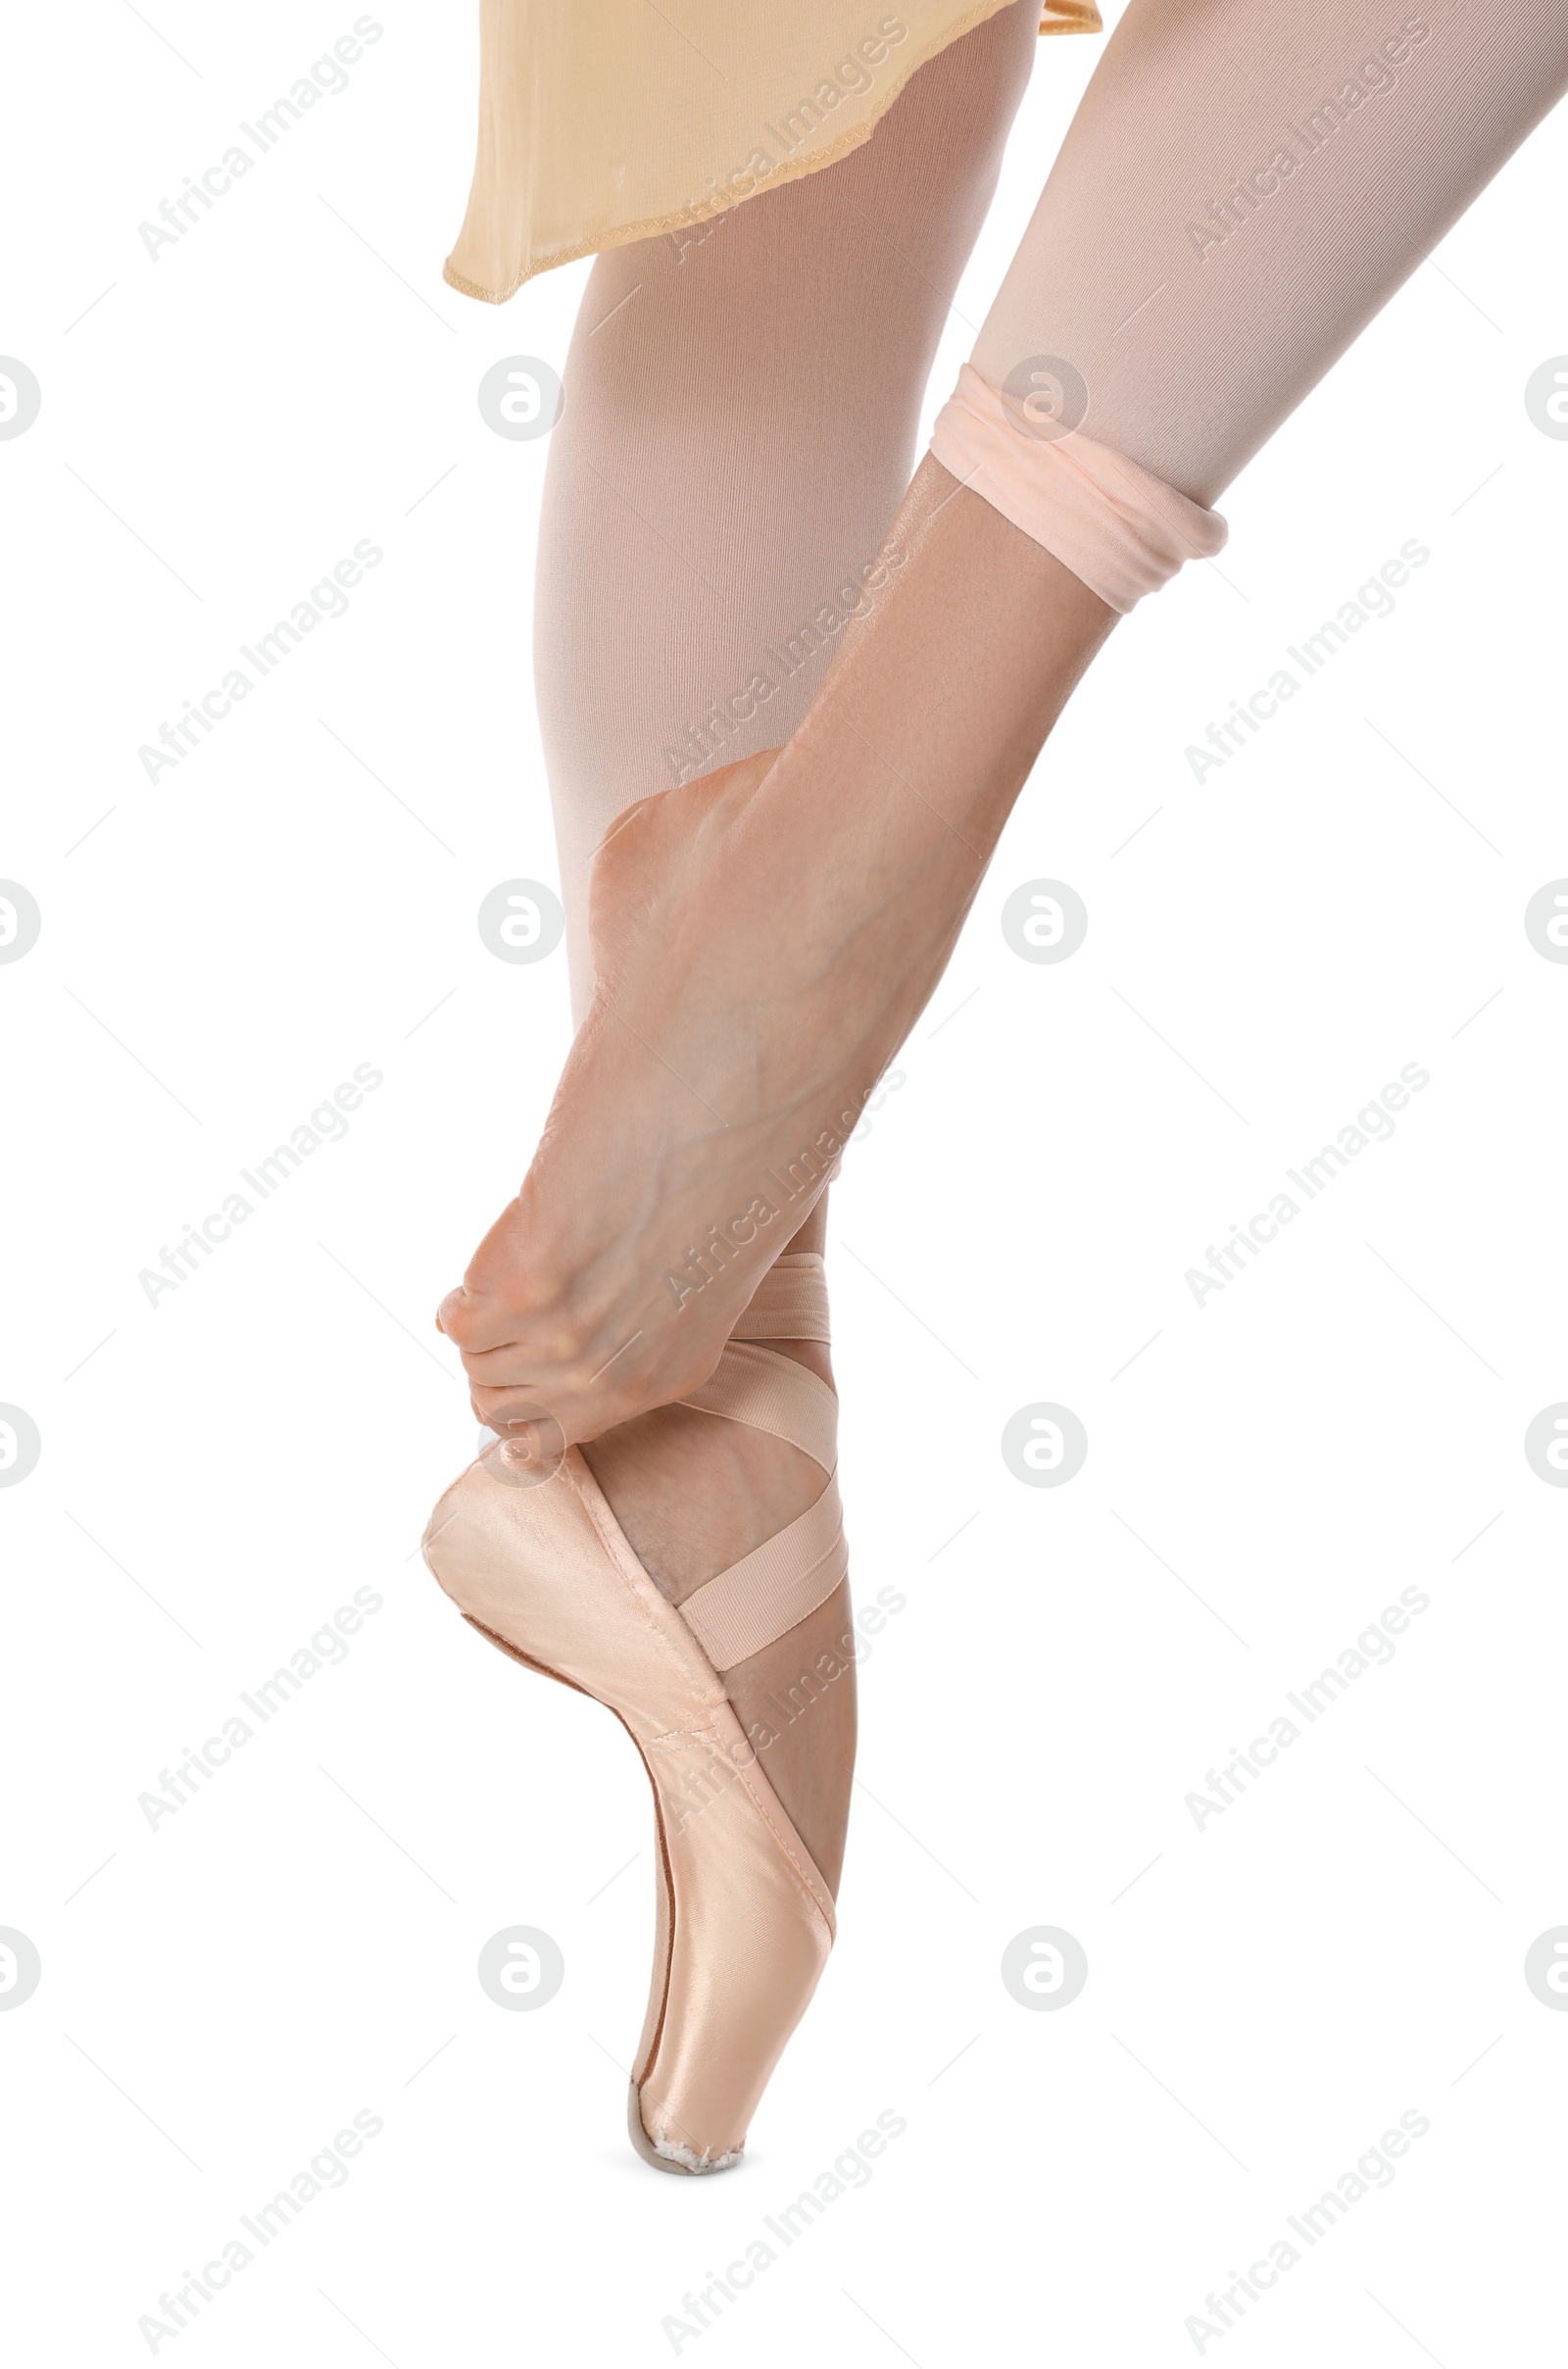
(744, 1919)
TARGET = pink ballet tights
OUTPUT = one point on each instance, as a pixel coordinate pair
(1244, 185)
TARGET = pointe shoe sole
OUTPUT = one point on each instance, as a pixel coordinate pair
(670, 2160)
(745, 1921)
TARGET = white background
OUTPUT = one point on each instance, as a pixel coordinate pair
(1265, 1996)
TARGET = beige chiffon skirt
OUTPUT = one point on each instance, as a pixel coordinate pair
(604, 120)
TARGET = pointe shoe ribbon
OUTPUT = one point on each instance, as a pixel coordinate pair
(735, 1615)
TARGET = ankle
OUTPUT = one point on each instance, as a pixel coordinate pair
(694, 1492)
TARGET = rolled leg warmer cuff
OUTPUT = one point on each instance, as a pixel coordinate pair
(1121, 532)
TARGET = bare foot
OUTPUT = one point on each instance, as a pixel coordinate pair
(741, 1021)
(764, 939)
(694, 1494)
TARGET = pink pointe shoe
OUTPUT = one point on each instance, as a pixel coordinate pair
(745, 1921)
